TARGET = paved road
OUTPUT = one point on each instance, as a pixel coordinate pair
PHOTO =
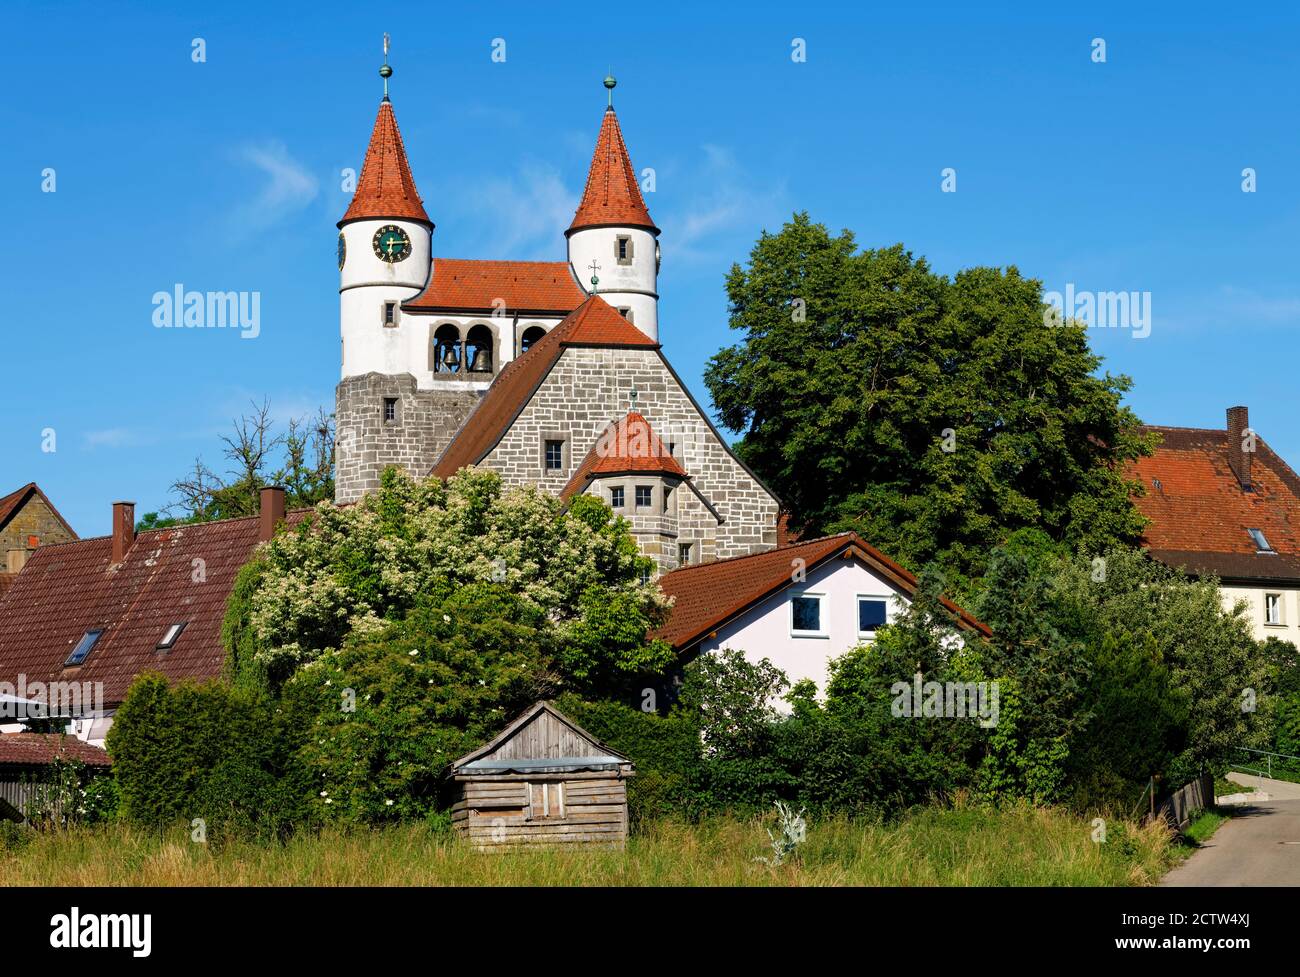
(1260, 846)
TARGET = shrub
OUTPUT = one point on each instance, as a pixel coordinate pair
(210, 751)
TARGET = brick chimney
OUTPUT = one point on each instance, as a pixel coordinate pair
(123, 529)
(271, 511)
(1241, 445)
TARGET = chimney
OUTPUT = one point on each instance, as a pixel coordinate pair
(123, 529)
(272, 511)
(1241, 445)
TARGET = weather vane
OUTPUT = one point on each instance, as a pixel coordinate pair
(385, 72)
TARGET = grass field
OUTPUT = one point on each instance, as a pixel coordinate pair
(962, 845)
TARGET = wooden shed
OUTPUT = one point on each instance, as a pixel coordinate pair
(543, 781)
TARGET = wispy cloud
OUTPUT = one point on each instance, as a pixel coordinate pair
(524, 214)
(722, 199)
(287, 186)
(113, 437)
(1233, 307)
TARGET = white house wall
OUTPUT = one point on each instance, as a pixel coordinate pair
(764, 631)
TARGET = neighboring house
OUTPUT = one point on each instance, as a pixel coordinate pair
(85, 618)
(523, 367)
(798, 606)
(28, 519)
(1223, 503)
(25, 759)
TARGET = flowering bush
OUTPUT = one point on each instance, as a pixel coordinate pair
(353, 571)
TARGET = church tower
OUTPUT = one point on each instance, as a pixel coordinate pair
(383, 417)
(612, 237)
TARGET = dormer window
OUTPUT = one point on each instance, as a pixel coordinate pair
(84, 647)
(1261, 543)
(169, 638)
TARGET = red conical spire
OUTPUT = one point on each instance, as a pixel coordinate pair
(386, 187)
(612, 195)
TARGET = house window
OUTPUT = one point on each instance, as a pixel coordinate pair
(806, 615)
(616, 497)
(683, 554)
(390, 313)
(545, 801)
(390, 410)
(1261, 542)
(623, 249)
(170, 637)
(871, 614)
(554, 456)
(625, 312)
(645, 575)
(644, 496)
(84, 647)
(1272, 608)
(668, 497)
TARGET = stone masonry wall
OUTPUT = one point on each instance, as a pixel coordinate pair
(586, 390)
(33, 519)
(367, 444)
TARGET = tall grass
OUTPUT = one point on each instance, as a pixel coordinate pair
(960, 845)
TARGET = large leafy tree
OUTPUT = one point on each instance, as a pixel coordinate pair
(934, 415)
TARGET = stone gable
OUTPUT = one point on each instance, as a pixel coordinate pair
(590, 387)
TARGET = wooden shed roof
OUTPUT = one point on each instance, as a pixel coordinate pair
(513, 750)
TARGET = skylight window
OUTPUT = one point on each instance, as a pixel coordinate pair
(170, 637)
(1261, 543)
(84, 647)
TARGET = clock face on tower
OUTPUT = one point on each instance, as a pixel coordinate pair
(343, 250)
(391, 243)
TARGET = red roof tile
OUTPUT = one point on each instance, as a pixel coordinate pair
(38, 749)
(709, 595)
(628, 445)
(482, 286)
(612, 195)
(386, 187)
(182, 573)
(11, 503)
(1199, 513)
(594, 323)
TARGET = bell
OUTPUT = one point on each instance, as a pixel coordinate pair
(450, 359)
(480, 363)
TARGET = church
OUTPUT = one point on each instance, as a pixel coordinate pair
(549, 372)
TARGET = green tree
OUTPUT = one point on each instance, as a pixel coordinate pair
(933, 415)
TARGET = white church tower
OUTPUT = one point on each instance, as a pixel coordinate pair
(612, 237)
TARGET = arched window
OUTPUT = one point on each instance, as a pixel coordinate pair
(531, 335)
(446, 349)
(478, 349)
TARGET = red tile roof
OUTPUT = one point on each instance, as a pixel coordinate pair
(594, 323)
(1199, 512)
(11, 503)
(612, 195)
(709, 595)
(386, 187)
(628, 445)
(67, 589)
(38, 749)
(482, 286)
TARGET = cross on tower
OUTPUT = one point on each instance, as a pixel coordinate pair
(595, 267)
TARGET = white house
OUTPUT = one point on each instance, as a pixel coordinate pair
(798, 606)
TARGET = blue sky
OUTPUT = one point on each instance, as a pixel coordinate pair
(224, 175)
